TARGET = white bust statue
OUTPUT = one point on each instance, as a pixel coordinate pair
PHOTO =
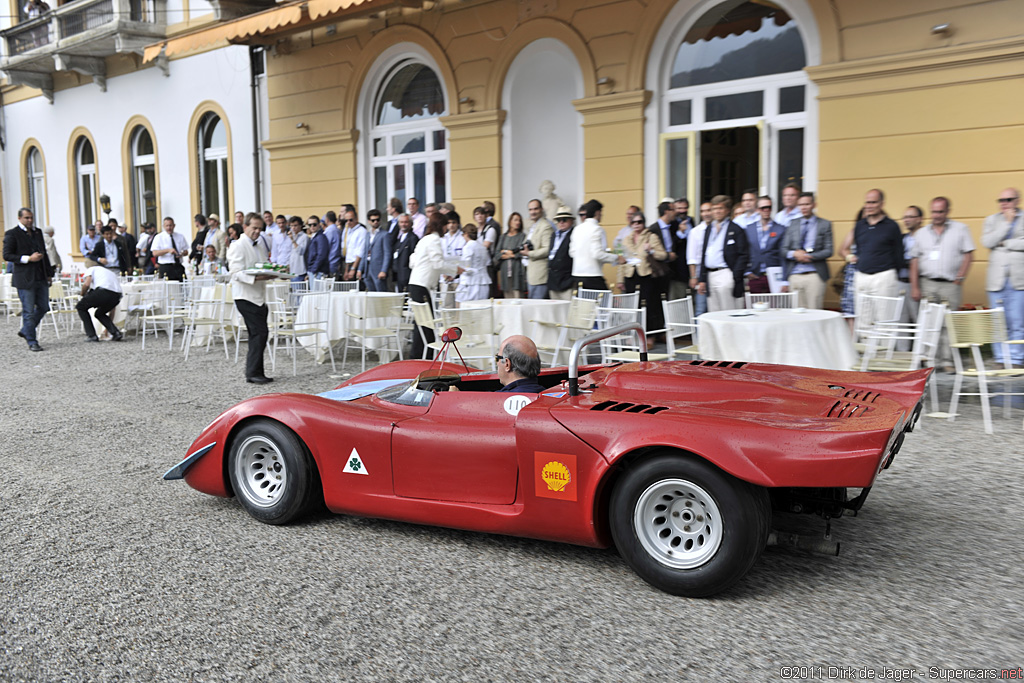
(549, 200)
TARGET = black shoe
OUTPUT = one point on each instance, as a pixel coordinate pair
(259, 380)
(92, 339)
(34, 346)
(21, 334)
(117, 337)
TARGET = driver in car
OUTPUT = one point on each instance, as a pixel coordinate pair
(518, 365)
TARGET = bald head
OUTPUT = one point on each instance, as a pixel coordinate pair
(520, 359)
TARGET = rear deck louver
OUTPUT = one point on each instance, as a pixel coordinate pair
(718, 364)
(846, 409)
(618, 407)
(863, 397)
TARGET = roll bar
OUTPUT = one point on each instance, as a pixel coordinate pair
(574, 354)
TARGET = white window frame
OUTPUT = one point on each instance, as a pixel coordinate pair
(35, 177)
(85, 184)
(219, 155)
(139, 164)
(387, 65)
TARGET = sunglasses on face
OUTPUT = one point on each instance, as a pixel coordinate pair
(1007, 199)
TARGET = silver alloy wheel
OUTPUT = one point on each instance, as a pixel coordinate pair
(260, 471)
(678, 523)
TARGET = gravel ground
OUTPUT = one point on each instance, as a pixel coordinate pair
(111, 574)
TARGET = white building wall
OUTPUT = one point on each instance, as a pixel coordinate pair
(168, 103)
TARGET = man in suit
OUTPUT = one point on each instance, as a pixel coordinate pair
(111, 254)
(724, 258)
(122, 235)
(764, 237)
(318, 262)
(25, 248)
(806, 248)
(198, 244)
(249, 291)
(673, 285)
(377, 258)
(404, 245)
(1003, 233)
(536, 249)
(560, 278)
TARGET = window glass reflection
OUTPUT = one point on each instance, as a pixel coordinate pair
(738, 40)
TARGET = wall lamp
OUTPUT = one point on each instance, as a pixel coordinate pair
(302, 125)
(105, 204)
(942, 29)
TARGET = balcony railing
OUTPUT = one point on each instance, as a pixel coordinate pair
(75, 19)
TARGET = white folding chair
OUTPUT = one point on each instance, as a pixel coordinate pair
(479, 332)
(291, 328)
(381, 321)
(579, 322)
(205, 310)
(624, 348)
(600, 297)
(346, 286)
(171, 310)
(973, 330)
(424, 319)
(774, 300)
(679, 324)
(872, 309)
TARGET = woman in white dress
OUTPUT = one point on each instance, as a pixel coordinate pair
(474, 282)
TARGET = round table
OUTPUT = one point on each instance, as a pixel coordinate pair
(810, 338)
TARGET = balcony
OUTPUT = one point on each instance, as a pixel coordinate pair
(77, 37)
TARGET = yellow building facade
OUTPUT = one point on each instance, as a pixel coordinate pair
(920, 98)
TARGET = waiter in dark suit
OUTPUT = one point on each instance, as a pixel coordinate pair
(24, 247)
(560, 280)
(723, 259)
(111, 253)
(404, 243)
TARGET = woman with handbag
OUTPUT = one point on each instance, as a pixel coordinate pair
(646, 258)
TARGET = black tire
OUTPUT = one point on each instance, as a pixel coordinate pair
(686, 527)
(272, 476)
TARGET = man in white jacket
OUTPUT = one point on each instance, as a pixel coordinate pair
(249, 291)
(588, 248)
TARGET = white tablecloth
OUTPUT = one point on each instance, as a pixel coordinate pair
(342, 303)
(813, 338)
(514, 316)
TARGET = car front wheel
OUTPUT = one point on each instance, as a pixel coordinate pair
(271, 474)
(687, 527)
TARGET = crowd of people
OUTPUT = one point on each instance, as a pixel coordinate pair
(717, 255)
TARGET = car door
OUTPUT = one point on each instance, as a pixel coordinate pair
(462, 449)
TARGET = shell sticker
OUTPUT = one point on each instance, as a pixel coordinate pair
(513, 404)
(555, 475)
(354, 464)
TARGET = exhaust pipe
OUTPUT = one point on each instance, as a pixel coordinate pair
(819, 546)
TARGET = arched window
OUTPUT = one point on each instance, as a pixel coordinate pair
(143, 177)
(213, 166)
(85, 182)
(35, 181)
(735, 104)
(407, 145)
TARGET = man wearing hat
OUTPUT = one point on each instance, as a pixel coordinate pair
(560, 285)
(215, 235)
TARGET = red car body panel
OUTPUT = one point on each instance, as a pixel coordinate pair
(466, 462)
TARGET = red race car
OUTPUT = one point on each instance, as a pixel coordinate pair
(680, 464)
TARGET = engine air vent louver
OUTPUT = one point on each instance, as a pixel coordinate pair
(617, 407)
(846, 409)
(718, 364)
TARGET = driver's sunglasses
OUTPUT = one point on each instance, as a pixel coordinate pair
(498, 357)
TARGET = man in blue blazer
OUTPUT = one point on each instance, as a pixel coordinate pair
(764, 237)
(318, 254)
(806, 247)
(377, 259)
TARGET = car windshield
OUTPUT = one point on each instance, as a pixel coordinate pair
(406, 394)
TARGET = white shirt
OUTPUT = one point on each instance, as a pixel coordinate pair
(297, 254)
(588, 248)
(475, 260)
(355, 242)
(280, 247)
(784, 216)
(419, 223)
(694, 243)
(715, 255)
(427, 262)
(169, 240)
(452, 244)
(243, 254)
(104, 279)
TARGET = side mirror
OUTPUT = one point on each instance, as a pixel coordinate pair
(452, 334)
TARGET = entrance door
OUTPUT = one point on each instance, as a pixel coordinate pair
(730, 161)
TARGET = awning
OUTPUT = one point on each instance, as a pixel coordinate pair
(255, 24)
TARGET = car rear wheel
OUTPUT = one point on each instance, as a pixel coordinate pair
(271, 473)
(687, 527)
